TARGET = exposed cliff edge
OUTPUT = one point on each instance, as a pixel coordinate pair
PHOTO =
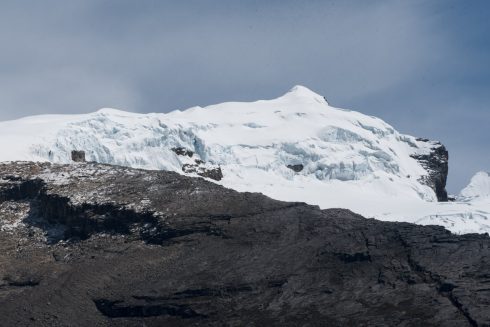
(99, 245)
(436, 164)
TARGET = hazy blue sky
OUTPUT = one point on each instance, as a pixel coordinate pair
(423, 66)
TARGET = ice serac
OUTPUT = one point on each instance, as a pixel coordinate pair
(436, 164)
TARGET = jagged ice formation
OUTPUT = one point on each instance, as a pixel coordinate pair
(341, 158)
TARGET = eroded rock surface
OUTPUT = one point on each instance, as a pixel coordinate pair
(296, 168)
(99, 245)
(436, 164)
(78, 156)
(192, 164)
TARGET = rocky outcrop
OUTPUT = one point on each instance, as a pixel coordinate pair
(100, 245)
(436, 164)
(296, 168)
(209, 172)
(192, 164)
(180, 151)
(78, 156)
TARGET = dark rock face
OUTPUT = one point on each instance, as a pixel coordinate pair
(198, 166)
(78, 156)
(98, 245)
(201, 170)
(180, 151)
(296, 168)
(436, 163)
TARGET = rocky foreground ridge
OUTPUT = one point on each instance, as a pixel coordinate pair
(99, 245)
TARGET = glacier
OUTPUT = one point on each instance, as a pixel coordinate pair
(342, 158)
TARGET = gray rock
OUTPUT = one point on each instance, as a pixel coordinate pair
(78, 156)
(199, 166)
(213, 172)
(296, 168)
(180, 151)
(99, 245)
(436, 164)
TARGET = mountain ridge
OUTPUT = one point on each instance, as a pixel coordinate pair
(90, 244)
(341, 158)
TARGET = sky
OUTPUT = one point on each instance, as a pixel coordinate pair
(422, 66)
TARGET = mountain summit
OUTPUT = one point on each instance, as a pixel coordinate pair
(302, 92)
(478, 188)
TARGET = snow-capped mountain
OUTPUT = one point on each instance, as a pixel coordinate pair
(295, 148)
(478, 188)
